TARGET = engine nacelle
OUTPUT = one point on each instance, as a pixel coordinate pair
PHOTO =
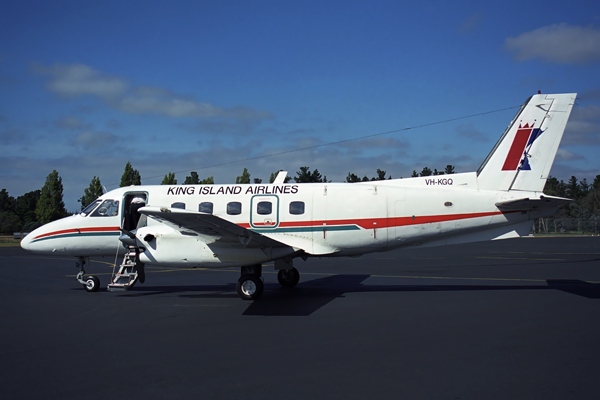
(166, 246)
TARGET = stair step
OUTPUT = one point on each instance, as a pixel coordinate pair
(117, 287)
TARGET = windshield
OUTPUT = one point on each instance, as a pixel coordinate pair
(90, 207)
(108, 208)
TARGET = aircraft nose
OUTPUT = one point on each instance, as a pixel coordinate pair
(26, 242)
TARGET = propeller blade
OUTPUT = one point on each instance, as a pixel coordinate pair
(139, 267)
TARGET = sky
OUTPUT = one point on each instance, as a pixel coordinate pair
(219, 86)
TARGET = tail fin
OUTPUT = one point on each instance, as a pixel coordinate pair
(522, 158)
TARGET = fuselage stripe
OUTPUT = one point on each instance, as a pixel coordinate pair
(96, 231)
(297, 226)
(371, 223)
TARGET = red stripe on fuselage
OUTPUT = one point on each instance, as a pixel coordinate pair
(80, 230)
(370, 223)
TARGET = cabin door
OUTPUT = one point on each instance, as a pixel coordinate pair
(265, 212)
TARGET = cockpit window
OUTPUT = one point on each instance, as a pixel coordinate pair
(90, 207)
(109, 208)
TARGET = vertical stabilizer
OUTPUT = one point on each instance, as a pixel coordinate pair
(522, 158)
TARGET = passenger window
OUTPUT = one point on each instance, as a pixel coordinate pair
(297, 207)
(109, 208)
(206, 207)
(178, 205)
(234, 208)
(264, 208)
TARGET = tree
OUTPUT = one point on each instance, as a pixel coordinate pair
(130, 176)
(91, 193)
(169, 179)
(305, 176)
(380, 175)
(7, 203)
(554, 187)
(50, 206)
(352, 178)
(193, 179)
(425, 172)
(573, 188)
(596, 183)
(414, 174)
(25, 208)
(584, 188)
(9, 222)
(208, 181)
(245, 178)
(449, 169)
(257, 180)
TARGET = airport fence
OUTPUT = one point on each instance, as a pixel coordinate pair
(581, 226)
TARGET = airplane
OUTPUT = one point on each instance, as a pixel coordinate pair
(248, 225)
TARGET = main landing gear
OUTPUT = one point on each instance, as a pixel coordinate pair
(288, 277)
(90, 282)
(250, 286)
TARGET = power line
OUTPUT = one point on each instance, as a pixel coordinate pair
(337, 142)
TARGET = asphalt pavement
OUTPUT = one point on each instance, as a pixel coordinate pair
(512, 319)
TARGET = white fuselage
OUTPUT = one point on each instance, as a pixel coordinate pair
(311, 219)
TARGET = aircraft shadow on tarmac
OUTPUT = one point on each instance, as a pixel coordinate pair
(309, 296)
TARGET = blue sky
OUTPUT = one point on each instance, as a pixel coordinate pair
(177, 86)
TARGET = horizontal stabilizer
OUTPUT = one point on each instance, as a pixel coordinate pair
(533, 203)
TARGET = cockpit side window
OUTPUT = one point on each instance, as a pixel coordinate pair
(109, 208)
(90, 207)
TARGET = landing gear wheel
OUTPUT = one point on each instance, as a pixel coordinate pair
(92, 284)
(288, 277)
(249, 287)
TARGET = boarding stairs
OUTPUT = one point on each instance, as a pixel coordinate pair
(127, 275)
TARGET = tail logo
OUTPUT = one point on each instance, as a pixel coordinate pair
(518, 155)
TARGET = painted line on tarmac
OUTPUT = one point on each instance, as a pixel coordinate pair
(520, 258)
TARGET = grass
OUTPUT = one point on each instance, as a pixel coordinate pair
(8, 241)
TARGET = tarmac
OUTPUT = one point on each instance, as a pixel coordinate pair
(511, 319)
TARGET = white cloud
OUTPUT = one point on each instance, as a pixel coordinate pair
(95, 140)
(566, 155)
(71, 123)
(583, 127)
(559, 43)
(469, 131)
(471, 24)
(77, 80)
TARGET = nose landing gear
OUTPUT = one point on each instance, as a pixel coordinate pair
(90, 283)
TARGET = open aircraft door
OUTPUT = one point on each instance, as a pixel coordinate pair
(131, 218)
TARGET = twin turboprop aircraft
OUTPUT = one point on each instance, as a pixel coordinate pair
(248, 225)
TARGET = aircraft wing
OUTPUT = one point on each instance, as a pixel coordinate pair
(524, 204)
(208, 225)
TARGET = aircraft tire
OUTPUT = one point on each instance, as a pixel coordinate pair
(92, 284)
(288, 277)
(249, 287)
